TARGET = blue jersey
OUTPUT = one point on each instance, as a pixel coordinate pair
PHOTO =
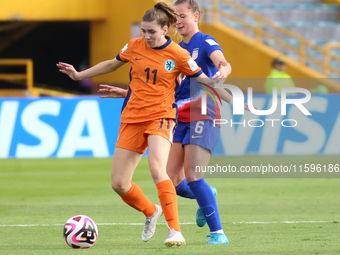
(189, 98)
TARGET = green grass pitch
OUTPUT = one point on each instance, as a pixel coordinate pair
(259, 215)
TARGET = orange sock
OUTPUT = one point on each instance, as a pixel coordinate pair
(168, 199)
(136, 199)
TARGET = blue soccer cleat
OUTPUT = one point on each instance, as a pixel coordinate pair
(200, 219)
(218, 239)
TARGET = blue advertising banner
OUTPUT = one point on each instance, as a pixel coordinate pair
(58, 127)
(88, 127)
(291, 134)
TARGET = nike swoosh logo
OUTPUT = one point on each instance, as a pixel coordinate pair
(224, 239)
(139, 58)
(169, 203)
(196, 136)
(208, 215)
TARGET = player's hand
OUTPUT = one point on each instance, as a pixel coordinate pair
(111, 91)
(246, 107)
(221, 75)
(69, 70)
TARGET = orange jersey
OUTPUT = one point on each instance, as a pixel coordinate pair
(153, 71)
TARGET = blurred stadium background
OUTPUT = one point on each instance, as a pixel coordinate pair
(44, 114)
(304, 33)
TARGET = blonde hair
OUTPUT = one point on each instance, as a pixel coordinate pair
(193, 4)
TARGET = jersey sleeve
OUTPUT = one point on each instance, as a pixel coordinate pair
(125, 53)
(210, 45)
(188, 66)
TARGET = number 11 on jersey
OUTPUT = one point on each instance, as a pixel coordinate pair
(147, 70)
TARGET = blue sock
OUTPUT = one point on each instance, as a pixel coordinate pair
(207, 202)
(184, 190)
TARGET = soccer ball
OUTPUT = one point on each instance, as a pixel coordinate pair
(80, 231)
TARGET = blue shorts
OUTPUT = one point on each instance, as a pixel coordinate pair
(201, 132)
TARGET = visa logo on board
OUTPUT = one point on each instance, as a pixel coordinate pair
(26, 132)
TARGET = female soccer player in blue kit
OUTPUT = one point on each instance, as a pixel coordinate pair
(195, 135)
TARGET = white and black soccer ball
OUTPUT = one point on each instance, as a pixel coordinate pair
(80, 231)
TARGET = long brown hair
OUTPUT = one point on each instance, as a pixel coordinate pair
(163, 13)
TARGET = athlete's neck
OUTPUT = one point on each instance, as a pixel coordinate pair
(187, 38)
(162, 42)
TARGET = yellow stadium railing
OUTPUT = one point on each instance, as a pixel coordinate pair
(331, 2)
(328, 48)
(260, 34)
(52, 93)
(28, 76)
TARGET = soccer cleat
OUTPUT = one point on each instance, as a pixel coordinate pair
(150, 224)
(200, 219)
(217, 238)
(174, 238)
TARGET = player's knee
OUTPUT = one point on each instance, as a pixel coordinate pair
(119, 187)
(155, 175)
(194, 175)
(158, 174)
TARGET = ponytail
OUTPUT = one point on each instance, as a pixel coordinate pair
(163, 13)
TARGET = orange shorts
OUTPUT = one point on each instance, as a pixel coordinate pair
(134, 136)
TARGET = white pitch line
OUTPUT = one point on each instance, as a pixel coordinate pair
(183, 223)
(287, 222)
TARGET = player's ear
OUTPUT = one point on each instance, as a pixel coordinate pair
(165, 30)
(196, 16)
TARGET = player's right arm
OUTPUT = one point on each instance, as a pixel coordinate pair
(99, 69)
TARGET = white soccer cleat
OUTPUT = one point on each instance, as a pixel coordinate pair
(150, 224)
(174, 238)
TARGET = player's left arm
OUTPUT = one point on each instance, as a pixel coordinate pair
(224, 69)
(204, 79)
(112, 91)
(189, 67)
(222, 65)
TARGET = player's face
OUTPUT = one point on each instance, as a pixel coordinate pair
(187, 21)
(153, 33)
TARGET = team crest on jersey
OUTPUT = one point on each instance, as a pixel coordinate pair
(195, 53)
(169, 65)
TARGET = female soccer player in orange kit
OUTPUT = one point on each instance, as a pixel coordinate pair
(192, 149)
(148, 115)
